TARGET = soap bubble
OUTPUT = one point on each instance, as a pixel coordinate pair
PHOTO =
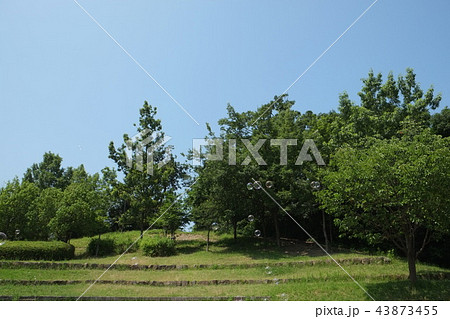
(17, 232)
(284, 297)
(215, 226)
(250, 186)
(268, 270)
(257, 233)
(3, 238)
(257, 185)
(251, 218)
(269, 184)
(315, 185)
(133, 258)
(276, 281)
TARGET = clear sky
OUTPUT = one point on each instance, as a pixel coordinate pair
(66, 87)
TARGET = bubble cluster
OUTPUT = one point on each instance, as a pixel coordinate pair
(257, 233)
(269, 184)
(251, 218)
(250, 186)
(257, 185)
(3, 238)
(315, 185)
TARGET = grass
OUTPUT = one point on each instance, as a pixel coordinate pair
(312, 282)
(311, 290)
(322, 272)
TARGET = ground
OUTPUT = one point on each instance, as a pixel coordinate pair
(250, 268)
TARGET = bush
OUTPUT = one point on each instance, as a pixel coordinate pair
(158, 246)
(36, 250)
(104, 246)
(121, 243)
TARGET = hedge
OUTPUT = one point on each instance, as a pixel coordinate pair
(158, 246)
(36, 250)
(105, 247)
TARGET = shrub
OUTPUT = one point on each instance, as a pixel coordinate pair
(122, 243)
(105, 247)
(36, 250)
(158, 246)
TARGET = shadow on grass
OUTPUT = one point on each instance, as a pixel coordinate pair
(190, 246)
(404, 290)
(259, 248)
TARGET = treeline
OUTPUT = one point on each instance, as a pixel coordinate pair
(385, 183)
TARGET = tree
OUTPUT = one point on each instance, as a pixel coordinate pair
(147, 183)
(83, 207)
(44, 208)
(391, 189)
(440, 122)
(16, 199)
(385, 109)
(172, 216)
(49, 173)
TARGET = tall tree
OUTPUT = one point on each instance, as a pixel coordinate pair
(151, 174)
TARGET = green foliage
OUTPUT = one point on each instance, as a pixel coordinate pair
(440, 122)
(82, 210)
(123, 242)
(158, 246)
(36, 250)
(49, 173)
(391, 190)
(100, 247)
(43, 210)
(146, 185)
(16, 199)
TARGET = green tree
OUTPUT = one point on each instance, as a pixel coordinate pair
(16, 199)
(44, 208)
(49, 173)
(386, 108)
(392, 190)
(440, 122)
(83, 207)
(172, 216)
(146, 183)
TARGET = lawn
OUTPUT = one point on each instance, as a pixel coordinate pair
(263, 272)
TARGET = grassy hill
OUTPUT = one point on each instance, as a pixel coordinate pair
(249, 268)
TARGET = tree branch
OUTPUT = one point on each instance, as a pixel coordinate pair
(426, 240)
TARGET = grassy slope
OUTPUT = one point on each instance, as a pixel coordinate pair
(318, 282)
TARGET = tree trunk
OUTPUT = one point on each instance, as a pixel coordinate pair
(324, 228)
(277, 228)
(207, 240)
(142, 224)
(331, 231)
(411, 255)
(98, 246)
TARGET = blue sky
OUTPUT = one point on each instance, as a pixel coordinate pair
(66, 87)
